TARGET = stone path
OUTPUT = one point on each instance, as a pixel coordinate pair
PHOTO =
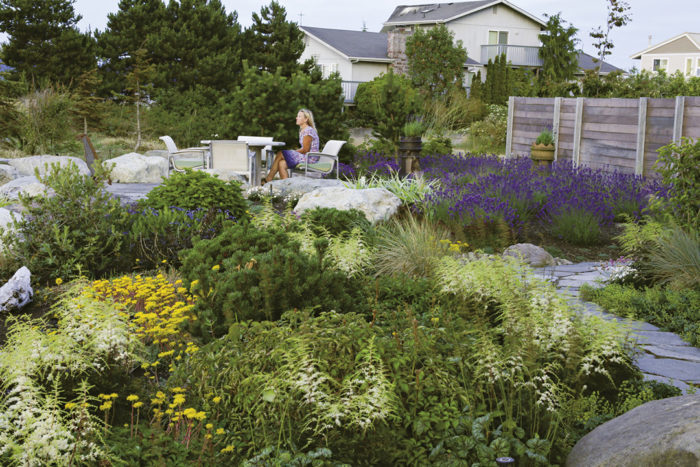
(664, 355)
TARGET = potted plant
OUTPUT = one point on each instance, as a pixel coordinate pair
(410, 146)
(542, 151)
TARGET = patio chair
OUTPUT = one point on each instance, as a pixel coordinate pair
(267, 150)
(179, 165)
(231, 155)
(327, 159)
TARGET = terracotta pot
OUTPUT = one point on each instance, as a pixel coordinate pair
(542, 154)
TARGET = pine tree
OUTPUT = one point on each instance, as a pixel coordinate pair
(477, 88)
(272, 41)
(558, 53)
(85, 99)
(44, 42)
(135, 25)
(491, 73)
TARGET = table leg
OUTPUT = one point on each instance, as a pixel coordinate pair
(255, 174)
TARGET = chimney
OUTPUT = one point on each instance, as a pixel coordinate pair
(396, 49)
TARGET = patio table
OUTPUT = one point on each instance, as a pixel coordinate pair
(256, 144)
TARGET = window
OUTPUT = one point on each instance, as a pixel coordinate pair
(498, 37)
(660, 64)
(697, 68)
(688, 66)
(328, 69)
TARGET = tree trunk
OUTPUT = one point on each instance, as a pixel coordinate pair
(138, 117)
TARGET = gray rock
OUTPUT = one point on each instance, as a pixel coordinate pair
(157, 152)
(659, 338)
(298, 185)
(378, 204)
(7, 173)
(687, 352)
(130, 192)
(137, 168)
(671, 382)
(562, 262)
(26, 185)
(659, 433)
(17, 292)
(531, 254)
(26, 165)
(226, 175)
(681, 370)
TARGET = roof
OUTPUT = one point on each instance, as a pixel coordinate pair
(360, 45)
(694, 37)
(586, 62)
(352, 44)
(443, 12)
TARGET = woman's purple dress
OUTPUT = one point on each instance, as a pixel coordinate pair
(294, 158)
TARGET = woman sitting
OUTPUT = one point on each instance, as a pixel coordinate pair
(288, 159)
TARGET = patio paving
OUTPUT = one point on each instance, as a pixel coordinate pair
(663, 356)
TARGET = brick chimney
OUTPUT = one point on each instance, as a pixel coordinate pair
(396, 49)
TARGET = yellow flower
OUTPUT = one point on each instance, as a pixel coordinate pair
(216, 267)
(200, 416)
(132, 398)
(113, 395)
(435, 320)
(164, 261)
(220, 431)
(208, 436)
(70, 405)
(138, 404)
(228, 448)
(106, 406)
(209, 426)
(59, 281)
(216, 400)
(160, 395)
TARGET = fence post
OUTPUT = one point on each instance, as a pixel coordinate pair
(555, 125)
(641, 136)
(509, 131)
(678, 119)
(578, 124)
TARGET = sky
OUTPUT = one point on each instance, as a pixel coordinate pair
(661, 19)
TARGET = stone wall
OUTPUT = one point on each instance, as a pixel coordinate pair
(396, 49)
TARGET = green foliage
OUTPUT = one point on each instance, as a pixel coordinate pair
(386, 103)
(411, 191)
(452, 111)
(435, 61)
(335, 222)
(489, 134)
(674, 310)
(413, 129)
(41, 123)
(675, 259)
(618, 16)
(246, 273)
(577, 226)
(196, 189)
(651, 84)
(558, 53)
(678, 165)
(78, 231)
(437, 145)
(44, 42)
(545, 137)
(272, 41)
(496, 89)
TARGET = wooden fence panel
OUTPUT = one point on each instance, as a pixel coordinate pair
(616, 134)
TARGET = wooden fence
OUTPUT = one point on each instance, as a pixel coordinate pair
(616, 134)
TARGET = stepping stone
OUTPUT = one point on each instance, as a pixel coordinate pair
(659, 338)
(672, 382)
(639, 325)
(680, 370)
(688, 353)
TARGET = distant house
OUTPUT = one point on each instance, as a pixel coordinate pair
(679, 53)
(486, 28)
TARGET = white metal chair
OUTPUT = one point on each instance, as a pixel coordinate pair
(267, 150)
(231, 155)
(180, 164)
(327, 159)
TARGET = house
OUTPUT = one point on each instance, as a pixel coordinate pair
(486, 28)
(679, 53)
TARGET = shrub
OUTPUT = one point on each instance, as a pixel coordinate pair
(198, 190)
(78, 230)
(246, 273)
(334, 221)
(675, 261)
(490, 133)
(678, 165)
(437, 145)
(675, 310)
(577, 226)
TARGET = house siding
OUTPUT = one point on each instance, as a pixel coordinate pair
(327, 56)
(676, 62)
(363, 71)
(680, 45)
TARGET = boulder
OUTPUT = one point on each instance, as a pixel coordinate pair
(17, 292)
(157, 152)
(26, 165)
(7, 173)
(6, 219)
(298, 185)
(378, 204)
(25, 185)
(662, 432)
(137, 168)
(531, 254)
(226, 175)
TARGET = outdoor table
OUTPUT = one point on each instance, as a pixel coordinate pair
(257, 145)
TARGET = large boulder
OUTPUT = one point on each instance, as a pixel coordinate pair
(137, 168)
(25, 185)
(17, 292)
(531, 254)
(298, 185)
(26, 165)
(7, 173)
(663, 432)
(6, 219)
(377, 204)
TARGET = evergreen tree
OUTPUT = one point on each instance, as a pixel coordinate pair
(85, 99)
(273, 42)
(435, 61)
(497, 87)
(477, 88)
(44, 42)
(490, 80)
(558, 53)
(135, 25)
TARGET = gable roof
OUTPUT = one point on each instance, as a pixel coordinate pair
(586, 62)
(693, 37)
(358, 45)
(434, 13)
(361, 45)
